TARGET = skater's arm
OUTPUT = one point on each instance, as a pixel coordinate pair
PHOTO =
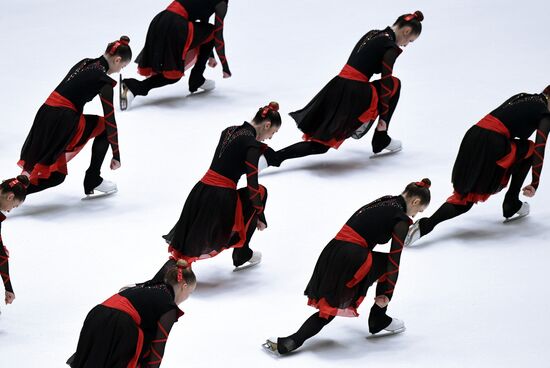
(387, 282)
(5, 267)
(540, 145)
(156, 352)
(106, 96)
(387, 83)
(252, 157)
(221, 11)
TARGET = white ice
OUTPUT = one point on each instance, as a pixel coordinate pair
(474, 294)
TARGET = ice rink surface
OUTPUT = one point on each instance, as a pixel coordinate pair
(472, 294)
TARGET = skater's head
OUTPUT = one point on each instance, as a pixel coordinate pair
(267, 121)
(182, 279)
(13, 192)
(546, 94)
(417, 195)
(408, 27)
(118, 54)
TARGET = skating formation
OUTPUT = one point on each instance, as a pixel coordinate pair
(346, 225)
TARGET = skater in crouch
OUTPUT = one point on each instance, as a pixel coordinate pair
(348, 266)
(494, 153)
(350, 103)
(60, 129)
(12, 194)
(216, 215)
(131, 328)
(178, 38)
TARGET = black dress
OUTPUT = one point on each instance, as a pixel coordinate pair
(216, 215)
(348, 265)
(349, 99)
(60, 130)
(175, 35)
(491, 148)
(130, 329)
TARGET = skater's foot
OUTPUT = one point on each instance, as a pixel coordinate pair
(395, 326)
(200, 83)
(272, 157)
(511, 205)
(253, 261)
(105, 188)
(271, 346)
(522, 212)
(413, 235)
(126, 96)
(280, 346)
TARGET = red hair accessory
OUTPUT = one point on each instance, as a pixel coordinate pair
(13, 183)
(180, 273)
(410, 17)
(116, 45)
(273, 106)
(422, 184)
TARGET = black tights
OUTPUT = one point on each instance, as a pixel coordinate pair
(311, 327)
(296, 150)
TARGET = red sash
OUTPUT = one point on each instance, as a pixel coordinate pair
(177, 8)
(349, 72)
(56, 100)
(347, 234)
(489, 122)
(122, 304)
(217, 180)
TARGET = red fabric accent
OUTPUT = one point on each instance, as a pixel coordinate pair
(361, 272)
(56, 100)
(326, 310)
(334, 143)
(461, 200)
(349, 72)
(122, 304)
(217, 180)
(372, 112)
(349, 235)
(489, 122)
(177, 8)
(169, 74)
(190, 35)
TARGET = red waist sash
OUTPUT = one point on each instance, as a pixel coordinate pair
(217, 180)
(349, 72)
(177, 8)
(489, 122)
(56, 100)
(349, 235)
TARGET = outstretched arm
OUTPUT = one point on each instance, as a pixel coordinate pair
(387, 82)
(153, 358)
(5, 272)
(386, 283)
(538, 155)
(252, 157)
(106, 96)
(221, 11)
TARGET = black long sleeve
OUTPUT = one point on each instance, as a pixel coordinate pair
(387, 282)
(540, 145)
(252, 157)
(387, 83)
(4, 266)
(153, 358)
(106, 96)
(221, 11)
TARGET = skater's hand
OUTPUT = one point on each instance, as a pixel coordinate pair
(226, 75)
(115, 164)
(9, 297)
(382, 301)
(260, 225)
(382, 125)
(529, 191)
(212, 62)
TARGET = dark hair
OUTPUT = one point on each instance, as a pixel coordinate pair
(180, 272)
(413, 20)
(546, 91)
(269, 112)
(17, 186)
(420, 189)
(120, 48)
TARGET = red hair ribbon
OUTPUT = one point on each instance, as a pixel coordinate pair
(410, 17)
(13, 183)
(273, 106)
(180, 273)
(422, 184)
(116, 45)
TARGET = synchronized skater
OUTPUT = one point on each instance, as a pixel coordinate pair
(178, 38)
(60, 129)
(348, 266)
(350, 103)
(12, 193)
(131, 328)
(494, 153)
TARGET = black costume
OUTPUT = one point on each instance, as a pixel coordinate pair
(216, 215)
(349, 100)
(4, 264)
(348, 266)
(494, 151)
(130, 329)
(60, 130)
(179, 37)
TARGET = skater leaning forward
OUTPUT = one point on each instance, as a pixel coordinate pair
(348, 266)
(12, 194)
(60, 129)
(494, 153)
(131, 328)
(350, 103)
(216, 215)
(178, 38)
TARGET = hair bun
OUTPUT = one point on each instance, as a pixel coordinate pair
(273, 106)
(547, 90)
(182, 263)
(419, 16)
(24, 180)
(125, 40)
(427, 183)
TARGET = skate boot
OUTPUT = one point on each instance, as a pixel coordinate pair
(207, 85)
(522, 212)
(253, 261)
(126, 96)
(105, 188)
(413, 235)
(393, 147)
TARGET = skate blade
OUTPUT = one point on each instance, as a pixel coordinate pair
(122, 95)
(387, 153)
(99, 195)
(514, 218)
(246, 266)
(385, 333)
(271, 348)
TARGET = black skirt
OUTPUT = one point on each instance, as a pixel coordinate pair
(109, 338)
(333, 114)
(327, 289)
(165, 43)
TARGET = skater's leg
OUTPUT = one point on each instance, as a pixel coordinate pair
(296, 150)
(55, 179)
(99, 151)
(381, 139)
(311, 327)
(142, 88)
(196, 79)
(446, 212)
(511, 203)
